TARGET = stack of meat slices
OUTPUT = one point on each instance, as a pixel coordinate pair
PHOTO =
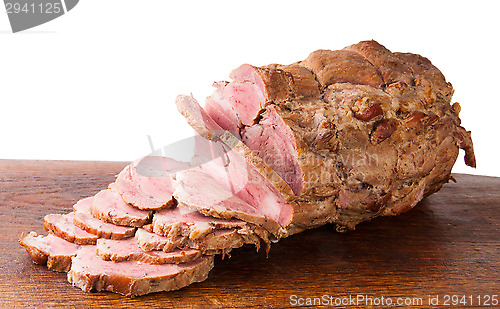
(159, 225)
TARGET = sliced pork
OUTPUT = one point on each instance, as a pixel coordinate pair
(86, 221)
(198, 118)
(62, 226)
(101, 229)
(131, 278)
(248, 179)
(187, 222)
(213, 199)
(109, 206)
(129, 250)
(238, 176)
(185, 227)
(146, 183)
(218, 241)
(49, 250)
(83, 205)
(268, 135)
(250, 167)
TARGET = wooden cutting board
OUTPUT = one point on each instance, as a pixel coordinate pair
(448, 245)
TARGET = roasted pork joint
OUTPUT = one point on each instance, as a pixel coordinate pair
(356, 133)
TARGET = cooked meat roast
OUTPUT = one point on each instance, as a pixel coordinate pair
(355, 133)
(182, 227)
(341, 137)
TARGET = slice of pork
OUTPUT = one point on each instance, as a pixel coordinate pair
(187, 222)
(49, 250)
(101, 229)
(258, 124)
(146, 183)
(108, 206)
(86, 221)
(83, 205)
(131, 278)
(201, 192)
(236, 167)
(218, 241)
(129, 250)
(205, 126)
(236, 175)
(62, 226)
(198, 118)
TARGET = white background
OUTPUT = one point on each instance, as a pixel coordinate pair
(92, 84)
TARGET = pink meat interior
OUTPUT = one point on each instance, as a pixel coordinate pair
(188, 216)
(87, 261)
(51, 245)
(148, 186)
(235, 174)
(110, 202)
(242, 106)
(83, 205)
(232, 171)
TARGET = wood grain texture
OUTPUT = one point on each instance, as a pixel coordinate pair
(448, 244)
